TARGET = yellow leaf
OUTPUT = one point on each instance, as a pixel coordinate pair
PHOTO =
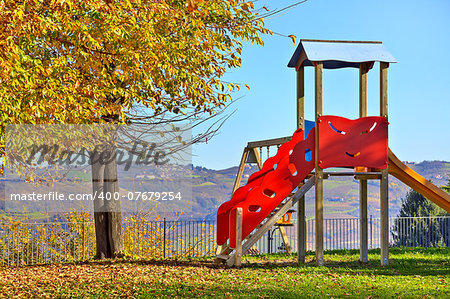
(293, 37)
(192, 5)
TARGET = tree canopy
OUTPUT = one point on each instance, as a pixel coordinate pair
(121, 61)
(85, 61)
(419, 223)
(416, 205)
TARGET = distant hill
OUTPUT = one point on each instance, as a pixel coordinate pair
(341, 194)
(210, 188)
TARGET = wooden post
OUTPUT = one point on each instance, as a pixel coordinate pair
(238, 255)
(384, 184)
(285, 239)
(301, 98)
(237, 182)
(219, 249)
(301, 235)
(301, 230)
(258, 158)
(363, 70)
(319, 172)
(363, 236)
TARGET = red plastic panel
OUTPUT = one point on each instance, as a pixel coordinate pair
(223, 214)
(291, 169)
(350, 143)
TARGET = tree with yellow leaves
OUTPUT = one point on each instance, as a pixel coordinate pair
(124, 61)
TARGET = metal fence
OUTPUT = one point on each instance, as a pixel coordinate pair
(343, 233)
(25, 244)
(170, 238)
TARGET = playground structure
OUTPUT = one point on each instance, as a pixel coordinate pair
(360, 145)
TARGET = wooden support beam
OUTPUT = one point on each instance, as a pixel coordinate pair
(363, 231)
(223, 254)
(301, 98)
(368, 176)
(384, 185)
(384, 214)
(238, 254)
(237, 182)
(301, 225)
(285, 239)
(269, 142)
(384, 66)
(301, 230)
(319, 172)
(258, 158)
(363, 70)
(353, 173)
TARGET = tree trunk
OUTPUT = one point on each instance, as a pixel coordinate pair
(107, 215)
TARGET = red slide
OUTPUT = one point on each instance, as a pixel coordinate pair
(342, 143)
(267, 188)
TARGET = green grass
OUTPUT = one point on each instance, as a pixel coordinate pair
(412, 273)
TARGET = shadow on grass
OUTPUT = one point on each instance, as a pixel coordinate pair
(403, 261)
(194, 291)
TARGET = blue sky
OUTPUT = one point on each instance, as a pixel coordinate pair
(417, 33)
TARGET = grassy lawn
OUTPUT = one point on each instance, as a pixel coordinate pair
(412, 273)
